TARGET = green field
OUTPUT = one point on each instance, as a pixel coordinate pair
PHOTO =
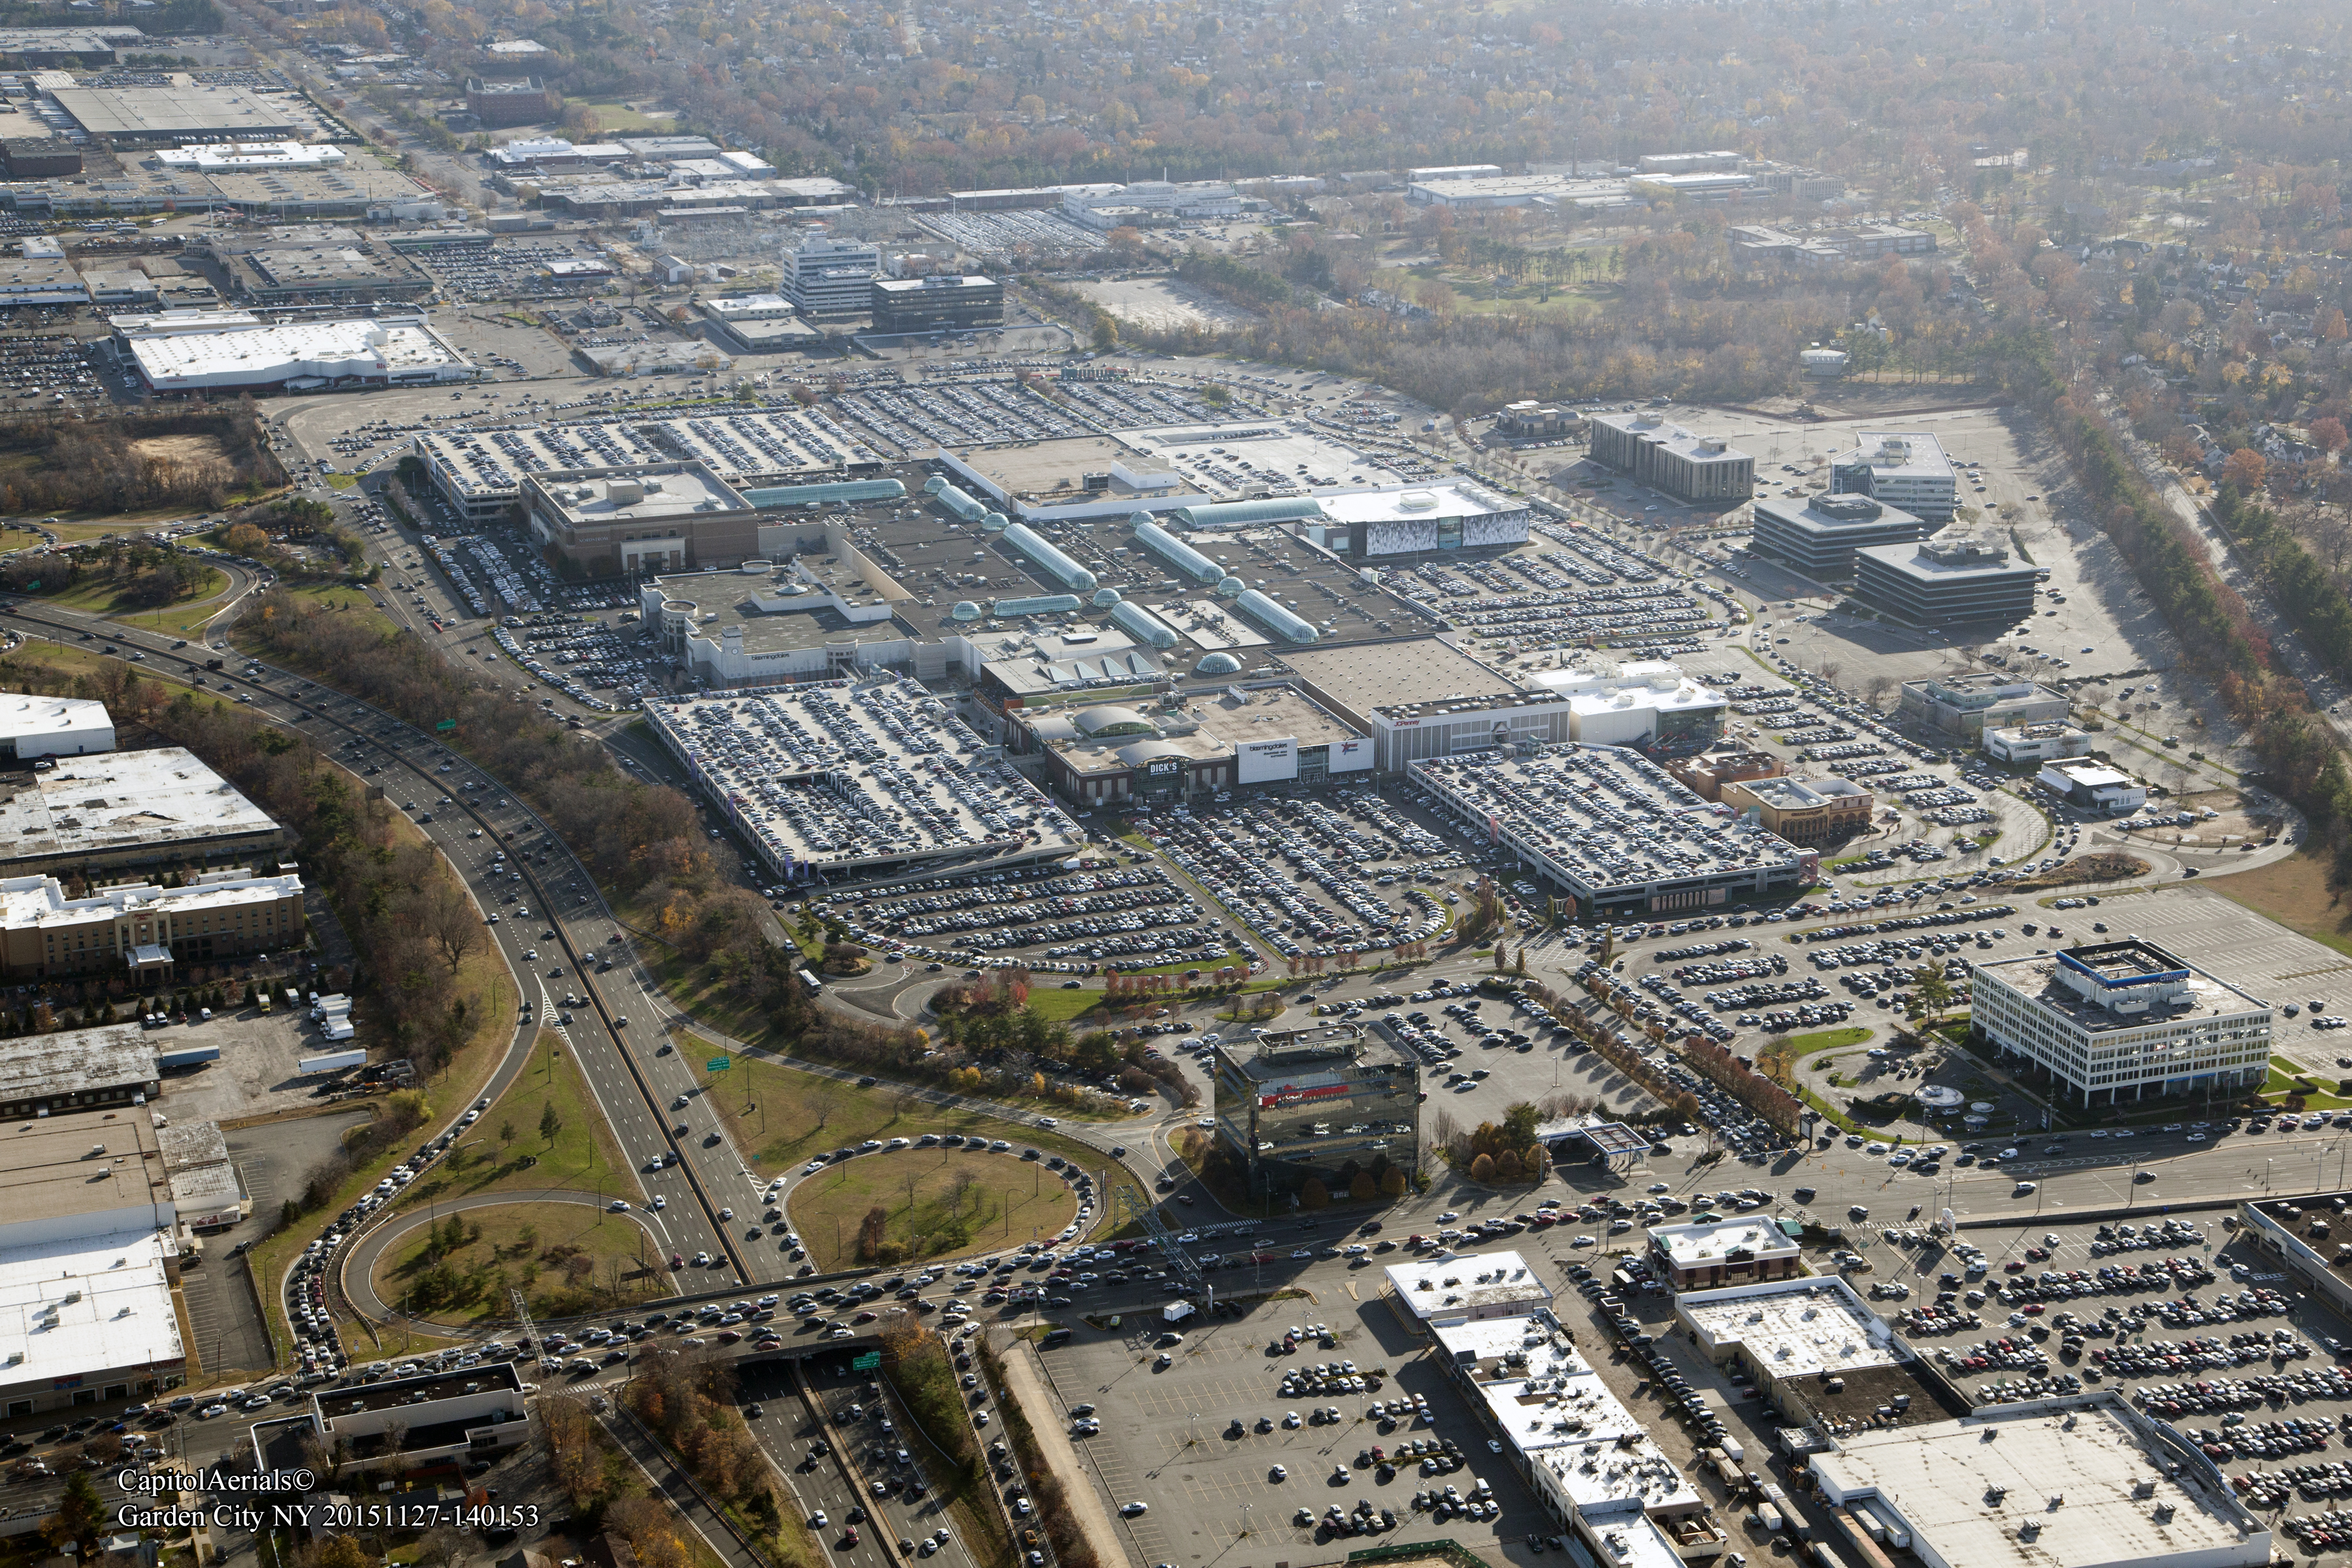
(506, 1150)
(178, 619)
(341, 599)
(942, 1203)
(565, 1258)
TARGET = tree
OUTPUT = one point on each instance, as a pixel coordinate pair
(549, 1124)
(1106, 334)
(1482, 1169)
(506, 1131)
(1363, 1188)
(80, 1518)
(1393, 1182)
(1314, 1194)
(2327, 434)
(2245, 468)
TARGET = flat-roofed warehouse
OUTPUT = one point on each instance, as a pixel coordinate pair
(831, 780)
(159, 807)
(193, 111)
(2080, 1482)
(34, 726)
(94, 44)
(1611, 828)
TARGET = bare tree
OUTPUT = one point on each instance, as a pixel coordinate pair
(823, 1098)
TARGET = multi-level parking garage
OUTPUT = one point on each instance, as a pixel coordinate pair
(833, 780)
(479, 473)
(1610, 829)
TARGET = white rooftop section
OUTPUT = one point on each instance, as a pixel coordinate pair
(86, 1304)
(1697, 1245)
(828, 776)
(684, 490)
(1480, 1283)
(749, 307)
(32, 902)
(237, 354)
(246, 155)
(92, 804)
(1899, 454)
(1413, 503)
(1794, 1327)
(40, 726)
(2059, 1483)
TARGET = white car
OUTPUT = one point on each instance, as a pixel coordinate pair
(1133, 1509)
(618, 1206)
(659, 1202)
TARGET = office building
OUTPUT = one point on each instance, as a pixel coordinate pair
(1666, 457)
(936, 304)
(1904, 468)
(1976, 703)
(2123, 1021)
(758, 323)
(1818, 535)
(498, 102)
(2083, 1481)
(33, 727)
(642, 520)
(1755, 246)
(829, 277)
(142, 932)
(1327, 1102)
(1813, 812)
(153, 808)
(1608, 827)
(1709, 1253)
(1528, 420)
(1967, 581)
(404, 1424)
(2092, 787)
(2035, 742)
(1469, 1288)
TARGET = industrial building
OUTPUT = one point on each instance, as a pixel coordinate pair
(1326, 1102)
(640, 520)
(105, 1069)
(1811, 812)
(94, 43)
(283, 275)
(34, 727)
(1963, 581)
(758, 323)
(1906, 469)
(828, 276)
(142, 931)
(1608, 827)
(1666, 457)
(1587, 1460)
(831, 780)
(1708, 1253)
(1470, 1288)
(224, 351)
(2092, 787)
(498, 102)
(2039, 743)
(1978, 702)
(1816, 1351)
(191, 111)
(2118, 1022)
(39, 157)
(105, 812)
(240, 157)
(2081, 1481)
(1818, 535)
(936, 304)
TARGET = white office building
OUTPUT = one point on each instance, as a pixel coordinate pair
(2124, 1021)
(1904, 468)
(830, 276)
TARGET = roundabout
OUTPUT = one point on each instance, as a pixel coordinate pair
(927, 1206)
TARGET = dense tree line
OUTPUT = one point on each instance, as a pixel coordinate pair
(56, 464)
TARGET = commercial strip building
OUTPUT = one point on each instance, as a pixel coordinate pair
(1977, 703)
(2092, 787)
(2306, 1235)
(1666, 457)
(1811, 812)
(1816, 1351)
(1427, 1293)
(222, 351)
(1819, 534)
(142, 932)
(33, 726)
(2123, 1021)
(1325, 1103)
(640, 520)
(830, 781)
(1589, 1460)
(148, 809)
(936, 304)
(1610, 829)
(1964, 581)
(2035, 742)
(2085, 1481)
(1904, 468)
(1706, 773)
(1709, 1253)
(828, 276)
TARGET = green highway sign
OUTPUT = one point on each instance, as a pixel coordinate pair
(446, 724)
(717, 1064)
(870, 1362)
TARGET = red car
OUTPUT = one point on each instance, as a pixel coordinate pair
(676, 1261)
(2031, 1308)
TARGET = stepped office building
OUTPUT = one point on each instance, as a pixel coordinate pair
(1694, 467)
(1946, 582)
(1818, 535)
(936, 304)
(1906, 469)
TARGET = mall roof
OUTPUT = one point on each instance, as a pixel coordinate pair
(635, 493)
(239, 354)
(762, 444)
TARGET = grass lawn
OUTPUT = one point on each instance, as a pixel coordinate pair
(490, 1157)
(2295, 892)
(795, 1116)
(342, 481)
(1821, 1040)
(616, 117)
(177, 618)
(1062, 1006)
(942, 1203)
(71, 658)
(342, 599)
(566, 1258)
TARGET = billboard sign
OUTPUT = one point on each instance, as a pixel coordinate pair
(1263, 762)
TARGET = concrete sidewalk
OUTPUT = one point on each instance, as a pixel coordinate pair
(1026, 1384)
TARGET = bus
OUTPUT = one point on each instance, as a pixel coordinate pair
(810, 982)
